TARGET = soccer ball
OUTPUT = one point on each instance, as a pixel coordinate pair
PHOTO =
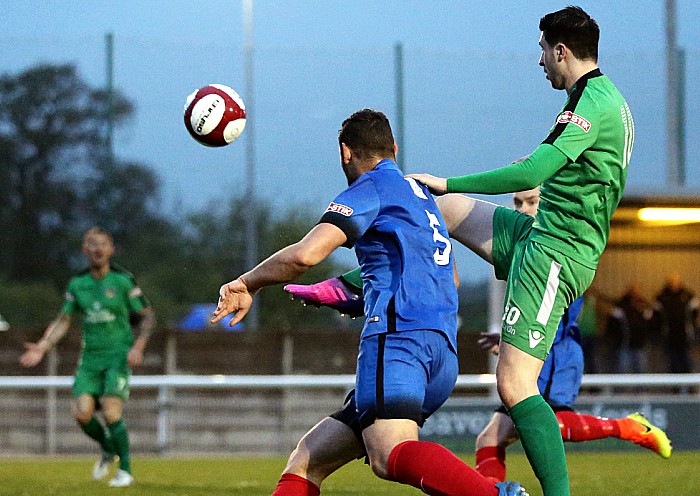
(215, 115)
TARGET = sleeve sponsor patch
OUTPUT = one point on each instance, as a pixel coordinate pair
(570, 117)
(339, 208)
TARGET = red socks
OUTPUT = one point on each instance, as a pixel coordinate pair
(436, 471)
(577, 427)
(491, 463)
(294, 485)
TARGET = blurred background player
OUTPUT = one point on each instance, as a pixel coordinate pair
(106, 297)
(407, 364)
(559, 381)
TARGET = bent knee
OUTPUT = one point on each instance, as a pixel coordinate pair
(81, 417)
(83, 412)
(299, 459)
(454, 208)
(486, 438)
(380, 467)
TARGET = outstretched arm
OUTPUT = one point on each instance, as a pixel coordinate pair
(284, 266)
(518, 176)
(53, 334)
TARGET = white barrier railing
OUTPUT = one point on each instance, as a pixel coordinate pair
(165, 384)
(326, 381)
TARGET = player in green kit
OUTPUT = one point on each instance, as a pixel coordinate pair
(582, 168)
(106, 298)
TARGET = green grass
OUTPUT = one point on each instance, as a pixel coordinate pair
(592, 474)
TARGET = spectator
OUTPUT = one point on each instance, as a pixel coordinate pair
(628, 331)
(675, 318)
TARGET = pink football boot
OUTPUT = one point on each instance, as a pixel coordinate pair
(332, 293)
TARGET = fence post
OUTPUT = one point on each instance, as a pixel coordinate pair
(51, 404)
(163, 419)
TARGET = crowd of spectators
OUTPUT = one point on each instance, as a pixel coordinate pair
(632, 333)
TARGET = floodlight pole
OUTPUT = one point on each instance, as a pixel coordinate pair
(399, 132)
(251, 228)
(109, 48)
(674, 101)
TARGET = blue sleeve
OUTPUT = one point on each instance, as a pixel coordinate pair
(354, 210)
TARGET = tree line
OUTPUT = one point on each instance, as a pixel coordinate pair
(58, 177)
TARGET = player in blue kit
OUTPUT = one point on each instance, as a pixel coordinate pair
(407, 363)
(559, 380)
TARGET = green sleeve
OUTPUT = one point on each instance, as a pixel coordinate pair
(69, 306)
(520, 176)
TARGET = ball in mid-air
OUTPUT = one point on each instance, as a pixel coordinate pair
(215, 115)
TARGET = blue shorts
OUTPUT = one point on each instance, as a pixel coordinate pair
(403, 375)
(560, 378)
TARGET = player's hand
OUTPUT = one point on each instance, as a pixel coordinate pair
(32, 356)
(135, 357)
(436, 185)
(489, 341)
(234, 297)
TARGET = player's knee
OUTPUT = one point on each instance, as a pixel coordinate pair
(508, 393)
(379, 465)
(510, 386)
(516, 378)
(299, 460)
(453, 208)
(112, 417)
(82, 419)
(487, 437)
(82, 411)
(82, 415)
(112, 409)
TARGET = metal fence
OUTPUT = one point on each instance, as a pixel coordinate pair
(245, 414)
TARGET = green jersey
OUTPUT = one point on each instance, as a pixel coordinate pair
(581, 167)
(105, 306)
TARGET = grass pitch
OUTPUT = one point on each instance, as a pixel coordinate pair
(592, 474)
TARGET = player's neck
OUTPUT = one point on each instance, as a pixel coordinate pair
(98, 272)
(577, 71)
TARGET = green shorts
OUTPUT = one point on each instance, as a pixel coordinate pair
(102, 374)
(541, 283)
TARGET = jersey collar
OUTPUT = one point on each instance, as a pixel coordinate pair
(589, 75)
(386, 163)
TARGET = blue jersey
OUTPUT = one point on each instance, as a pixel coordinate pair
(560, 378)
(404, 252)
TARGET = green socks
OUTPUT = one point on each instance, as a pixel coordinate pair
(120, 438)
(96, 431)
(114, 441)
(540, 436)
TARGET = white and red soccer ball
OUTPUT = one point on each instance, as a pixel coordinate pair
(215, 115)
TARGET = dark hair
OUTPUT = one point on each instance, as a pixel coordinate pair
(99, 231)
(368, 134)
(574, 28)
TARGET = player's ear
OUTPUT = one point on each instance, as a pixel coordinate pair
(396, 149)
(345, 154)
(561, 51)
